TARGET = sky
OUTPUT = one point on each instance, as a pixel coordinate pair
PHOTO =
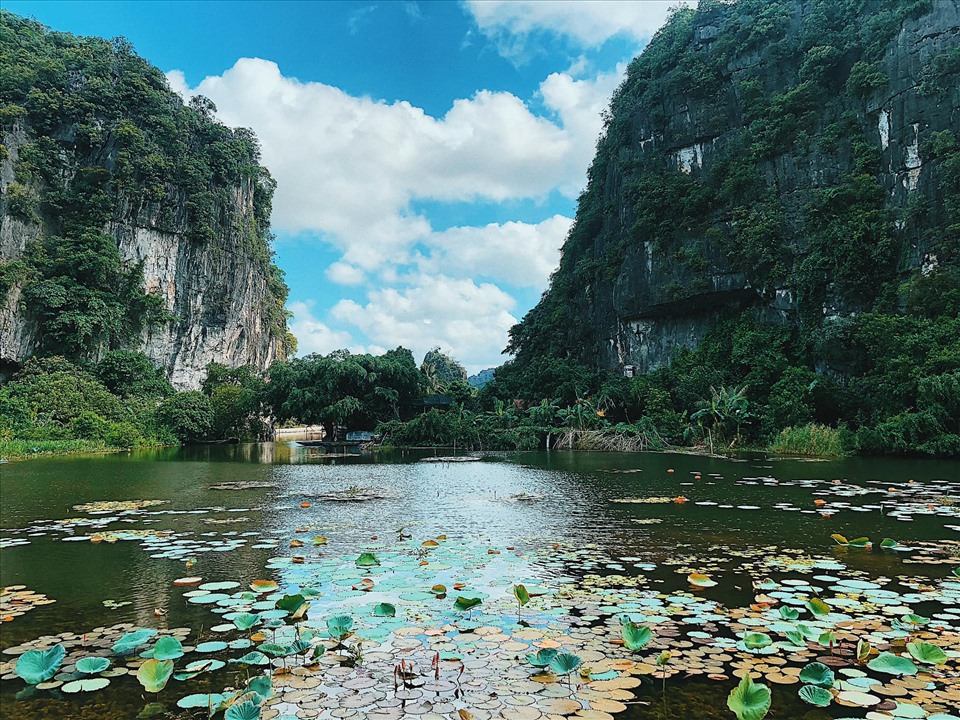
(428, 155)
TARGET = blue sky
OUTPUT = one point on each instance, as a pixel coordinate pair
(428, 154)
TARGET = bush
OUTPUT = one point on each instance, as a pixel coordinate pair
(810, 439)
(188, 415)
(89, 426)
(124, 435)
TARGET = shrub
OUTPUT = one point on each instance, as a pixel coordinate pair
(124, 435)
(809, 439)
(189, 415)
(89, 426)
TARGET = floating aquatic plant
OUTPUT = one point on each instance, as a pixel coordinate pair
(927, 653)
(635, 636)
(815, 695)
(37, 666)
(154, 674)
(887, 662)
(92, 665)
(749, 700)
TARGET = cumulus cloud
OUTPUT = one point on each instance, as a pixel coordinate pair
(314, 336)
(585, 23)
(349, 170)
(458, 314)
(516, 253)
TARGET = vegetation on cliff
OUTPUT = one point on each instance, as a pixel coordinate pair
(794, 198)
(100, 140)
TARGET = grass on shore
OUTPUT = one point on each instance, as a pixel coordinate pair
(810, 439)
(17, 449)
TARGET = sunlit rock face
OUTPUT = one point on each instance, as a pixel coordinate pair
(799, 113)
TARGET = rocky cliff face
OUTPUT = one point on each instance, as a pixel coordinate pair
(183, 198)
(783, 159)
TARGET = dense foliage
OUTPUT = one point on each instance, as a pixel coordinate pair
(345, 390)
(794, 196)
(101, 141)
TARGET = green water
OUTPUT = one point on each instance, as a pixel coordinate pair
(753, 504)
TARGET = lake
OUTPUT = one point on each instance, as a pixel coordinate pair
(719, 558)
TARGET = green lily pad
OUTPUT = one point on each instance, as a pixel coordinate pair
(252, 658)
(384, 610)
(247, 710)
(521, 594)
(201, 700)
(927, 653)
(245, 621)
(887, 662)
(815, 695)
(37, 666)
(132, 640)
(789, 613)
(167, 648)
(154, 674)
(817, 606)
(367, 560)
(85, 685)
(635, 636)
(756, 640)
(463, 604)
(564, 663)
(92, 665)
(542, 657)
(339, 626)
(749, 700)
(817, 673)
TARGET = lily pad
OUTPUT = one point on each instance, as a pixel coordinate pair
(201, 700)
(167, 648)
(37, 666)
(887, 662)
(384, 610)
(635, 636)
(749, 700)
(92, 665)
(564, 663)
(817, 673)
(927, 653)
(815, 695)
(154, 674)
(85, 685)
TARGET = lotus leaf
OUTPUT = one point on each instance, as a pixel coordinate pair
(290, 603)
(817, 606)
(263, 586)
(367, 560)
(262, 685)
(789, 613)
(635, 636)
(211, 646)
(863, 650)
(463, 604)
(37, 666)
(85, 685)
(542, 657)
(132, 640)
(167, 648)
(439, 590)
(154, 674)
(815, 695)
(756, 640)
(840, 539)
(828, 639)
(914, 620)
(246, 710)
(564, 663)
(796, 637)
(298, 647)
(273, 649)
(252, 658)
(339, 626)
(92, 665)
(201, 700)
(384, 610)
(700, 580)
(888, 543)
(817, 673)
(927, 653)
(861, 542)
(749, 700)
(887, 662)
(245, 621)
(521, 594)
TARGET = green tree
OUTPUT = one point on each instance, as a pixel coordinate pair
(189, 415)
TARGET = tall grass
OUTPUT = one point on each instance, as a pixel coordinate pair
(11, 449)
(810, 439)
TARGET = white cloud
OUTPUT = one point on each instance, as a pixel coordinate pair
(314, 336)
(587, 24)
(515, 253)
(345, 274)
(349, 167)
(469, 319)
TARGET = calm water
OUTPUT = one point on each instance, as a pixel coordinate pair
(750, 503)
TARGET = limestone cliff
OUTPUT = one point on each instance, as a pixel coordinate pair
(95, 146)
(795, 160)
